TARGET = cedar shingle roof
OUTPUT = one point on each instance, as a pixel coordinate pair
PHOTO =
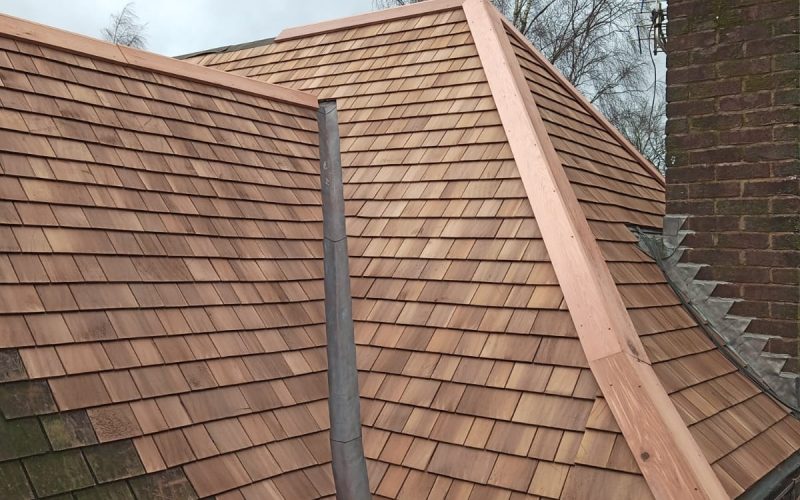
(161, 319)
(474, 377)
(161, 276)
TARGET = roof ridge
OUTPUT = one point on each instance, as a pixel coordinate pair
(28, 31)
(227, 48)
(365, 19)
(379, 16)
(668, 456)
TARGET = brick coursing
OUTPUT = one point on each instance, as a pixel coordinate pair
(733, 147)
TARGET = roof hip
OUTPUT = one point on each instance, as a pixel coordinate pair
(667, 454)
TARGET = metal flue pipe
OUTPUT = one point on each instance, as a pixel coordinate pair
(349, 466)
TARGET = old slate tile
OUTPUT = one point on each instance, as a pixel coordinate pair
(13, 483)
(69, 429)
(21, 438)
(113, 491)
(11, 367)
(23, 399)
(171, 483)
(114, 461)
(58, 472)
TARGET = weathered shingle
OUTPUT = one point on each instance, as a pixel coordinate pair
(161, 224)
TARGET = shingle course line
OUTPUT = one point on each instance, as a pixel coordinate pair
(156, 99)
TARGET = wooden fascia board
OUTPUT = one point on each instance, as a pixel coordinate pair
(27, 31)
(668, 456)
(380, 16)
(589, 107)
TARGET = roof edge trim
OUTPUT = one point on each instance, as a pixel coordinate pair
(227, 48)
(668, 456)
(590, 108)
(402, 12)
(28, 31)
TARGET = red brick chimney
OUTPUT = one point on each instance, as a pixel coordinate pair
(733, 177)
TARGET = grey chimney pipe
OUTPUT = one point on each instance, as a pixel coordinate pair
(349, 466)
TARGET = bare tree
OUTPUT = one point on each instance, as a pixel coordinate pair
(124, 28)
(592, 42)
(642, 120)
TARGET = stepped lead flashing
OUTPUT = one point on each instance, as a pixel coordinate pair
(667, 454)
(20, 29)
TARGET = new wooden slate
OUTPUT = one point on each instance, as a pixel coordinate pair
(161, 327)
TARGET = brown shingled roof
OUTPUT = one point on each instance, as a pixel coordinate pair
(512, 336)
(161, 318)
(161, 315)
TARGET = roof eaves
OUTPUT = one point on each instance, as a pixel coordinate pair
(28, 31)
(381, 16)
(668, 456)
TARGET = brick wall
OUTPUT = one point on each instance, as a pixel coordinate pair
(733, 92)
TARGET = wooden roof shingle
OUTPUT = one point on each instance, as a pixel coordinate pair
(161, 279)
(471, 168)
(161, 285)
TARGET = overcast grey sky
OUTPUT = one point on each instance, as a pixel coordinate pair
(177, 27)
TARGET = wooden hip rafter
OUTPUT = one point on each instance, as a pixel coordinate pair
(668, 456)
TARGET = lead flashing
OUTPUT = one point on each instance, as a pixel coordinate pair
(403, 12)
